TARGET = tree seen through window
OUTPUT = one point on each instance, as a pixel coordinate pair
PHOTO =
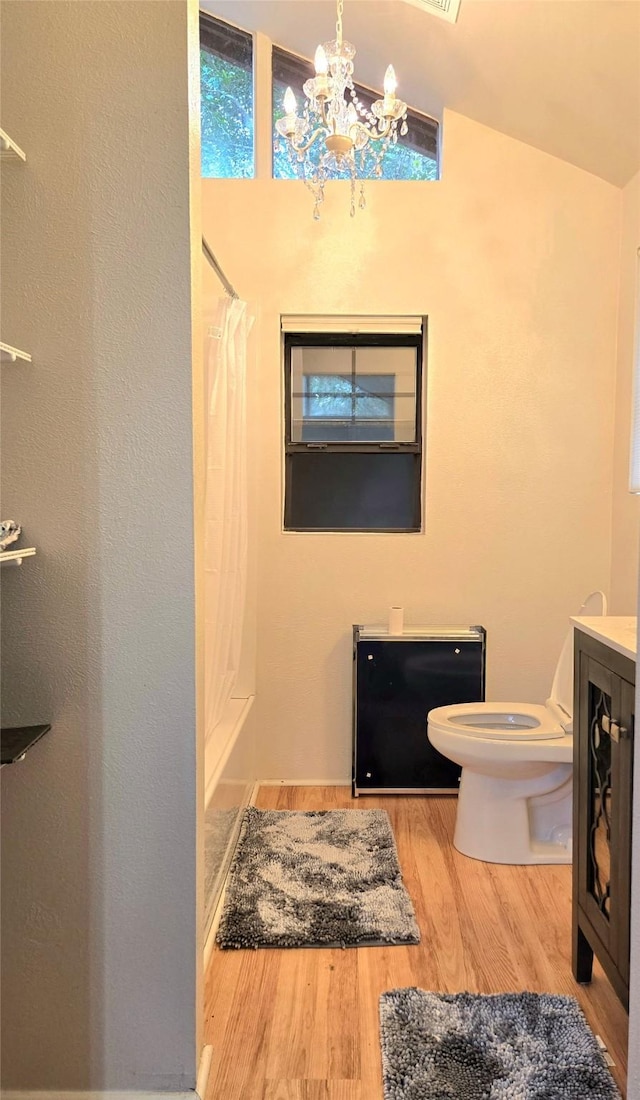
(226, 88)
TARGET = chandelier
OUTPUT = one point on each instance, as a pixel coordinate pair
(336, 134)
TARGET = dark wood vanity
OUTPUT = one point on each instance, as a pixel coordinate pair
(604, 692)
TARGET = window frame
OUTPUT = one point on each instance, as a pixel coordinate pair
(211, 28)
(292, 448)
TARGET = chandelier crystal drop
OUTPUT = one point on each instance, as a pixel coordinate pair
(335, 131)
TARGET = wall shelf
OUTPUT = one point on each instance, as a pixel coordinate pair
(9, 150)
(16, 556)
(9, 354)
(16, 740)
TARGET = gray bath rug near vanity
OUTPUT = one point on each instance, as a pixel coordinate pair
(330, 878)
(509, 1046)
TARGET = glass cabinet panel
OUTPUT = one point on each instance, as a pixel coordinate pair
(599, 800)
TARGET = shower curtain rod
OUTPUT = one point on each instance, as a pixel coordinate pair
(218, 270)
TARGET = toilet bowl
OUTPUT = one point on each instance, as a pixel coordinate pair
(515, 799)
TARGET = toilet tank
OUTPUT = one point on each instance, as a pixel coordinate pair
(562, 686)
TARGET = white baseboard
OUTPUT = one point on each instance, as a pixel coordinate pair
(203, 1072)
(211, 935)
(304, 782)
(119, 1094)
(97, 1094)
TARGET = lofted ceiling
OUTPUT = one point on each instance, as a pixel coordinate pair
(561, 75)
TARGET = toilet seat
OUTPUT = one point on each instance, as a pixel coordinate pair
(520, 723)
(515, 722)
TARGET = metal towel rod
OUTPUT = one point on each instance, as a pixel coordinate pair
(218, 270)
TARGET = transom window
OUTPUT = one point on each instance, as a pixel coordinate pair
(228, 111)
(226, 88)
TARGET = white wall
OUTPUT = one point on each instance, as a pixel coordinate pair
(626, 508)
(522, 307)
(101, 930)
(625, 546)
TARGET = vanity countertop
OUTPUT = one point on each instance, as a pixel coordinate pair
(619, 632)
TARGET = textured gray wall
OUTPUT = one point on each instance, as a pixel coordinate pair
(99, 964)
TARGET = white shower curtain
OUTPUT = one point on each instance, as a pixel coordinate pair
(226, 503)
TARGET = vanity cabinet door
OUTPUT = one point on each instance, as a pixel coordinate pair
(603, 758)
(598, 797)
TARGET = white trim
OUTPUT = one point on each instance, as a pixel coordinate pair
(634, 456)
(305, 322)
(228, 732)
(203, 1072)
(304, 782)
(98, 1094)
(211, 935)
(262, 95)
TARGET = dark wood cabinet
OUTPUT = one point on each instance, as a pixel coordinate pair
(397, 680)
(603, 769)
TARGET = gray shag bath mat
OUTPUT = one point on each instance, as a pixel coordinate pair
(509, 1046)
(328, 878)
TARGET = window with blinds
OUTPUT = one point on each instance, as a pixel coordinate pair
(353, 430)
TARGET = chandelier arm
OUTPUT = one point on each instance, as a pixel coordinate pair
(317, 133)
(374, 135)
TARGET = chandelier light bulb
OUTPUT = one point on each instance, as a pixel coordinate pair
(390, 82)
(290, 104)
(320, 61)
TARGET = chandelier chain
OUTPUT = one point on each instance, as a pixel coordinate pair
(340, 9)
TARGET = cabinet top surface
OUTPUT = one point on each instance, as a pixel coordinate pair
(427, 633)
(619, 632)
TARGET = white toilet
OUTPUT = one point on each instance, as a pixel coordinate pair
(515, 800)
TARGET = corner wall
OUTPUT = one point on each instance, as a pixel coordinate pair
(101, 933)
(626, 507)
(522, 308)
(625, 534)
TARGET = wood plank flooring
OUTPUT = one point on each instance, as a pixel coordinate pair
(303, 1024)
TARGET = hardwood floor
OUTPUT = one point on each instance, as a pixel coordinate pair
(303, 1024)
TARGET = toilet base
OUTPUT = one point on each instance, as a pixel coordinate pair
(521, 821)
